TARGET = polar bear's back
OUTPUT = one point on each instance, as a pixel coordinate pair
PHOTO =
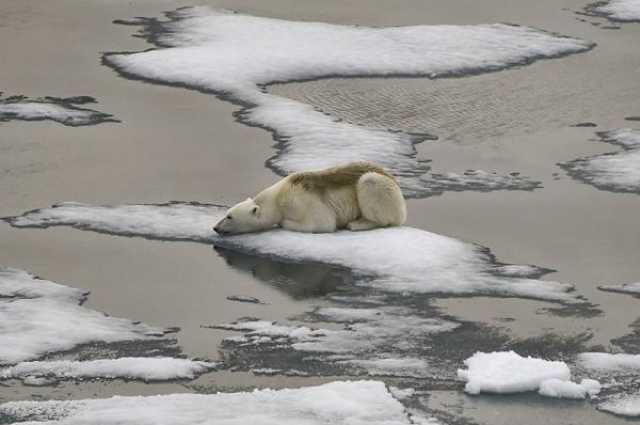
(335, 177)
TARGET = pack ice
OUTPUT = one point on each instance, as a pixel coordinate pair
(353, 403)
(235, 56)
(401, 259)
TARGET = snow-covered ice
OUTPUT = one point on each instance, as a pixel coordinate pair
(508, 372)
(559, 388)
(625, 288)
(614, 171)
(617, 10)
(623, 405)
(144, 368)
(62, 110)
(39, 317)
(349, 403)
(399, 259)
(607, 362)
(219, 52)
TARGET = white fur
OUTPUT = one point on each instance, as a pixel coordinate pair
(375, 200)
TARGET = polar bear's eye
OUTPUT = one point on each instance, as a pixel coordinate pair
(229, 217)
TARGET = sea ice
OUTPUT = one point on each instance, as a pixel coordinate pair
(614, 171)
(606, 362)
(39, 317)
(144, 368)
(64, 111)
(508, 372)
(235, 56)
(349, 403)
(401, 259)
(625, 288)
(617, 10)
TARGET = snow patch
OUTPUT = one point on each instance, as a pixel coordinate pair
(218, 51)
(147, 369)
(353, 403)
(400, 259)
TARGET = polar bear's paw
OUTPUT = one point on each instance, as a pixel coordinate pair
(361, 224)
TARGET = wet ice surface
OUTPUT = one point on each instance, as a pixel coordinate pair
(401, 259)
(144, 368)
(62, 110)
(614, 171)
(215, 51)
(626, 405)
(39, 317)
(625, 288)
(355, 403)
(617, 10)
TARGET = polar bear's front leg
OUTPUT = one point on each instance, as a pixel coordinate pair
(361, 224)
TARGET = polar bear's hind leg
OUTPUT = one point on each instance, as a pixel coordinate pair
(381, 202)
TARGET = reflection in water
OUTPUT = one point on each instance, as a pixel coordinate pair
(308, 280)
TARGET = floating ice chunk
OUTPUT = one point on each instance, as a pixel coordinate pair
(617, 10)
(622, 405)
(607, 362)
(626, 288)
(235, 55)
(614, 171)
(64, 111)
(508, 372)
(21, 284)
(394, 259)
(144, 368)
(352, 403)
(40, 317)
(559, 388)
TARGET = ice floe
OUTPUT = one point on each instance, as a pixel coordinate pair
(507, 372)
(38, 317)
(625, 288)
(144, 368)
(219, 52)
(607, 362)
(353, 403)
(617, 10)
(62, 110)
(559, 388)
(613, 171)
(399, 259)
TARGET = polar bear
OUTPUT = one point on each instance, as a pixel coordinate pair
(355, 196)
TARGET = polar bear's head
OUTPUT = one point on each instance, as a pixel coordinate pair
(244, 217)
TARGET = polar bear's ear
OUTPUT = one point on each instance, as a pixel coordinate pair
(255, 210)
